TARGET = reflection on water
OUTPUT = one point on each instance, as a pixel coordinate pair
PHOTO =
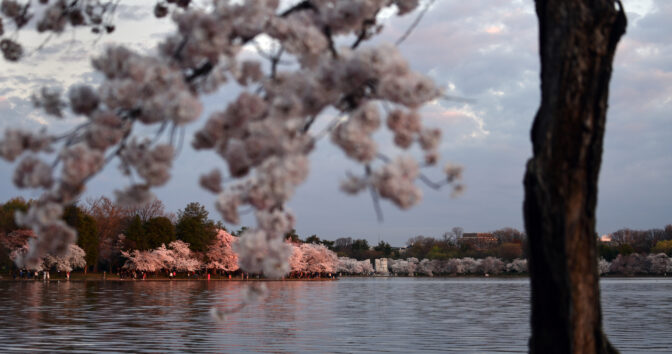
(365, 314)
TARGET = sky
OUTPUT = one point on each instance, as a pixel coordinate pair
(481, 50)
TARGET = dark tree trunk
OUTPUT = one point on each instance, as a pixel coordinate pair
(577, 41)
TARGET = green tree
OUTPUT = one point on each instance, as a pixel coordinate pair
(663, 247)
(135, 234)
(313, 239)
(240, 231)
(159, 230)
(87, 233)
(194, 227)
(607, 252)
(625, 249)
(7, 223)
(328, 244)
(293, 236)
(384, 248)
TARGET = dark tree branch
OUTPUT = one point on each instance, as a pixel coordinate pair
(363, 32)
(327, 33)
(308, 123)
(303, 5)
(202, 70)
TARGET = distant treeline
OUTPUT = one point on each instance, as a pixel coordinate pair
(106, 230)
(506, 243)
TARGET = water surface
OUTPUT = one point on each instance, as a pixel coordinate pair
(349, 315)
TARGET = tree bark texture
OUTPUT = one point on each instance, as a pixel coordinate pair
(577, 42)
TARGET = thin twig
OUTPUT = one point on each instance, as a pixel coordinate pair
(178, 51)
(275, 60)
(265, 55)
(457, 99)
(414, 24)
(432, 184)
(173, 130)
(159, 132)
(374, 196)
(333, 124)
(308, 123)
(180, 142)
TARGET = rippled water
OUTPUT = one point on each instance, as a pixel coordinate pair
(349, 315)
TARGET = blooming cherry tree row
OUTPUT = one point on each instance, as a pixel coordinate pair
(467, 265)
(177, 256)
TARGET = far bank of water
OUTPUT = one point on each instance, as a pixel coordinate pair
(352, 314)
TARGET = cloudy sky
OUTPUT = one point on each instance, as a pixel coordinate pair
(483, 50)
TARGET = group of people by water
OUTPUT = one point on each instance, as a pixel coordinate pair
(126, 274)
(34, 275)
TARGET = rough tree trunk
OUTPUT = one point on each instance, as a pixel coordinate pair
(577, 41)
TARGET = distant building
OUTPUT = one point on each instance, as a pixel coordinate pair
(606, 238)
(478, 240)
(381, 266)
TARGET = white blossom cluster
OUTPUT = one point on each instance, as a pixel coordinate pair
(261, 254)
(72, 259)
(354, 267)
(459, 266)
(636, 263)
(263, 135)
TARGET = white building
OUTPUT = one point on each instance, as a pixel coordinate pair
(381, 266)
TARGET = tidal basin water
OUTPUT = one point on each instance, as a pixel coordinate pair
(349, 315)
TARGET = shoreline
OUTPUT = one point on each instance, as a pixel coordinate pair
(98, 278)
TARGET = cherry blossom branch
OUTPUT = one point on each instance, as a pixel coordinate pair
(426, 180)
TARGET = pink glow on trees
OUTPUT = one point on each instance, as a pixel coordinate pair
(318, 258)
(16, 238)
(220, 255)
(144, 261)
(313, 258)
(263, 134)
(182, 258)
(297, 261)
(177, 256)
